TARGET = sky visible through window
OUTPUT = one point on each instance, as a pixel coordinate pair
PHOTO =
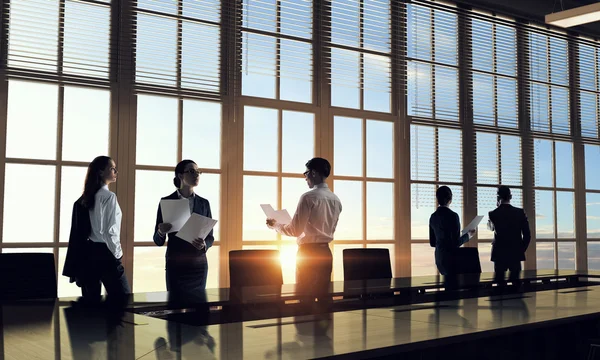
(157, 132)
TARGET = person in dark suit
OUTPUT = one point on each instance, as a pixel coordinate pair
(511, 237)
(186, 263)
(444, 232)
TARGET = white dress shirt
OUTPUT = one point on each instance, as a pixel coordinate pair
(316, 217)
(105, 218)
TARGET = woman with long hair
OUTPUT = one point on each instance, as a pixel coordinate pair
(186, 264)
(94, 254)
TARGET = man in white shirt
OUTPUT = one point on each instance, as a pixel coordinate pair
(313, 224)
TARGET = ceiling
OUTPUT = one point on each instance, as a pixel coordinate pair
(536, 10)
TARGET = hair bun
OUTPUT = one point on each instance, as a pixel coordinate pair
(177, 182)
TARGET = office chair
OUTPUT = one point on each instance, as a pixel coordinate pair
(367, 264)
(26, 276)
(254, 268)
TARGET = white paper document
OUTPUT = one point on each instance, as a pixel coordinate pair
(197, 226)
(281, 216)
(472, 225)
(175, 212)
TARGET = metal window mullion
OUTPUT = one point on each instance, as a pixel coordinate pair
(278, 51)
(433, 62)
(363, 181)
(178, 80)
(4, 20)
(279, 166)
(361, 66)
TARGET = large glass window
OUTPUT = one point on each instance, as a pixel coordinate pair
(436, 160)
(554, 202)
(277, 145)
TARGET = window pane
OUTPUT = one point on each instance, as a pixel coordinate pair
(560, 110)
(260, 14)
(31, 106)
(559, 61)
(545, 255)
(350, 225)
(168, 7)
(300, 23)
(202, 133)
(338, 260)
(345, 18)
(565, 213)
(258, 190)
(71, 189)
(200, 57)
(41, 41)
(156, 50)
(446, 93)
(347, 144)
(506, 57)
(588, 113)
(483, 99)
(543, 162)
(86, 111)
(156, 138)
(510, 158)
(150, 187)
(457, 202)
(423, 260)
(295, 71)
(538, 51)
(566, 256)
(380, 149)
(345, 84)
(84, 22)
(423, 203)
(450, 155)
(564, 164)
(149, 269)
(592, 159)
(445, 37)
(258, 65)
(423, 157)
(419, 32)
(209, 10)
(377, 85)
(390, 248)
(544, 214)
(291, 191)
(507, 101)
(593, 215)
(65, 287)
(593, 255)
(380, 211)
(419, 96)
(485, 256)
(540, 119)
(483, 44)
(298, 141)
(18, 210)
(487, 158)
(260, 139)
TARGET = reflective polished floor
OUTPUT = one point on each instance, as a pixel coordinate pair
(60, 330)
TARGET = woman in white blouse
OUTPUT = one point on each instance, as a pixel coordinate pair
(102, 247)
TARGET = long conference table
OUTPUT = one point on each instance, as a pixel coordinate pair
(552, 315)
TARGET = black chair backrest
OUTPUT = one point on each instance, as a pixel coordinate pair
(254, 268)
(367, 264)
(467, 261)
(25, 276)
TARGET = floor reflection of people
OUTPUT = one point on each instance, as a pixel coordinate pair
(187, 333)
(313, 338)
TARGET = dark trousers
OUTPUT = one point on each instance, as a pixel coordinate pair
(103, 269)
(500, 268)
(313, 270)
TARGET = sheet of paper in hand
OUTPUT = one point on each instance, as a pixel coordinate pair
(197, 226)
(175, 212)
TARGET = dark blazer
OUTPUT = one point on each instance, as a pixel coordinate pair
(511, 233)
(178, 249)
(81, 227)
(444, 235)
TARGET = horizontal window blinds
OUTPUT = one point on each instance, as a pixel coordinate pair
(54, 40)
(277, 51)
(177, 47)
(588, 87)
(358, 49)
(493, 70)
(432, 61)
(548, 81)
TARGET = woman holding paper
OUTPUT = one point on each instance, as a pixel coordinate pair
(444, 232)
(186, 264)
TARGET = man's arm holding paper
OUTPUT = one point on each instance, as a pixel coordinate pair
(296, 226)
